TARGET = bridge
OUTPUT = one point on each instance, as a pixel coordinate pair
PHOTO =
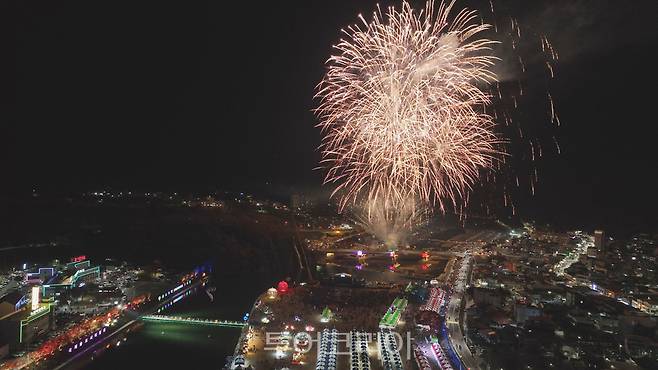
(193, 321)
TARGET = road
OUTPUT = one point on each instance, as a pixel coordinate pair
(573, 256)
(98, 344)
(454, 316)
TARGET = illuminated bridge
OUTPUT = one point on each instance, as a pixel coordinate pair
(186, 320)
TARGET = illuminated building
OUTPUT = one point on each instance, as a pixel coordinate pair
(35, 323)
(78, 265)
(40, 276)
(35, 297)
(83, 276)
(21, 327)
(599, 241)
(53, 290)
(82, 272)
(645, 304)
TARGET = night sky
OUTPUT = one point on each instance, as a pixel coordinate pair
(191, 95)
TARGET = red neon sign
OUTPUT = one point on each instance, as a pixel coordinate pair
(79, 258)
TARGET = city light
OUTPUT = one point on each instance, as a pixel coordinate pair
(35, 297)
(456, 220)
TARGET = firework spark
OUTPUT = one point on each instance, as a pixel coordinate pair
(402, 108)
(391, 225)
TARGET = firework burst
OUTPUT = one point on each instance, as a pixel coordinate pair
(414, 117)
(402, 108)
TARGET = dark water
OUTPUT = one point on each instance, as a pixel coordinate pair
(184, 346)
(170, 346)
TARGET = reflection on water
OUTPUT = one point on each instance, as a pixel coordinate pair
(171, 346)
(185, 346)
(382, 267)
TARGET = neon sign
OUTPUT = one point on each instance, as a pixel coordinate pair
(79, 258)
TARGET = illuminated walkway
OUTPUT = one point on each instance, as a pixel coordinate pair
(185, 320)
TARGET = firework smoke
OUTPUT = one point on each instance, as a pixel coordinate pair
(391, 225)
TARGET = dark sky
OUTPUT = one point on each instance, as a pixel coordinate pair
(190, 94)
